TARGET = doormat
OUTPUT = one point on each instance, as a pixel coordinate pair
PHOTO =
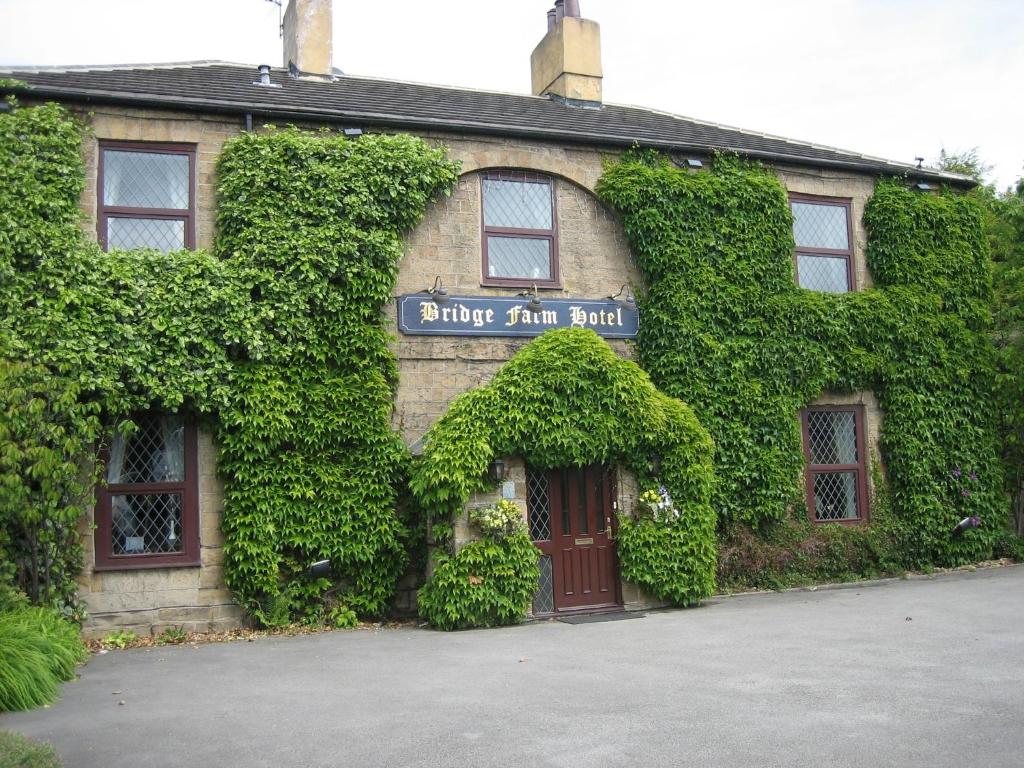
(594, 618)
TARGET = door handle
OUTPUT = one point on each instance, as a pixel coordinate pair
(608, 528)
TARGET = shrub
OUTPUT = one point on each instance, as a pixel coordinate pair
(487, 583)
(38, 650)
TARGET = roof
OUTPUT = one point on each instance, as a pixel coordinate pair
(222, 87)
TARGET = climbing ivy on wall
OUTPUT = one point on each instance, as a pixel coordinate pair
(276, 339)
(312, 227)
(726, 330)
(566, 399)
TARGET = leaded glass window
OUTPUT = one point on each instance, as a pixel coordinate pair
(146, 196)
(147, 509)
(836, 477)
(824, 257)
(520, 245)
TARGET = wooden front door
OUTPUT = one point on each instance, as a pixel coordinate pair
(584, 575)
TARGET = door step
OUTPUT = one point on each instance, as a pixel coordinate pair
(594, 618)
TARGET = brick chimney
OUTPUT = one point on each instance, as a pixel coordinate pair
(307, 36)
(567, 62)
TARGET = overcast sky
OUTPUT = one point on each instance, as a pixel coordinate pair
(893, 78)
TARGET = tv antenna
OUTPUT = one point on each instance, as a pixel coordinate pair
(280, 17)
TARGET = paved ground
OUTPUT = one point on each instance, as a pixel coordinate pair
(926, 672)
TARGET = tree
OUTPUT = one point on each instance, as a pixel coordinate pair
(1004, 228)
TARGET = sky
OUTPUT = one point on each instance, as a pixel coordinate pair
(898, 79)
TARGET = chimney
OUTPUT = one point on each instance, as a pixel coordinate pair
(567, 62)
(307, 37)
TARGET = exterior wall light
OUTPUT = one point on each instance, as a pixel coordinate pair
(534, 305)
(320, 569)
(922, 186)
(352, 132)
(694, 162)
(496, 470)
(625, 298)
(438, 293)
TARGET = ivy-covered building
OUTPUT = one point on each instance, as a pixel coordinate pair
(817, 312)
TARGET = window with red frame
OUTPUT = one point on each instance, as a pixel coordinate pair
(520, 240)
(823, 234)
(835, 475)
(146, 196)
(147, 511)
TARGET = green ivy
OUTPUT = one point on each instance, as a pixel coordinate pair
(726, 329)
(566, 399)
(277, 339)
(311, 226)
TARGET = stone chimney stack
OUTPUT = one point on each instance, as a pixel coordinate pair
(567, 62)
(307, 37)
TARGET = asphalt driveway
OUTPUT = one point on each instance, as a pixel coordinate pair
(923, 672)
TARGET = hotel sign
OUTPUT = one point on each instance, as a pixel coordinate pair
(420, 315)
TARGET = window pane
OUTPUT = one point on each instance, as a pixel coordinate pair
(162, 234)
(155, 453)
(544, 600)
(519, 257)
(820, 226)
(538, 504)
(145, 179)
(833, 437)
(823, 273)
(835, 496)
(518, 204)
(145, 524)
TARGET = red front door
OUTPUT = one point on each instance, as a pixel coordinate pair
(581, 545)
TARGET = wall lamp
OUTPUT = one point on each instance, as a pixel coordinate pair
(496, 470)
(319, 570)
(352, 132)
(438, 293)
(694, 162)
(922, 186)
(625, 297)
(534, 305)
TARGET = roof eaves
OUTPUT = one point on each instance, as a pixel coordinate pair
(856, 162)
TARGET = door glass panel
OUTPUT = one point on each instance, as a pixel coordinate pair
(600, 477)
(544, 599)
(583, 506)
(538, 504)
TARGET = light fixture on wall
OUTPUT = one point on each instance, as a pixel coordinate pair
(496, 470)
(625, 297)
(923, 186)
(534, 305)
(694, 162)
(438, 293)
(352, 133)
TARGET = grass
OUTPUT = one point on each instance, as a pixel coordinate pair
(17, 751)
